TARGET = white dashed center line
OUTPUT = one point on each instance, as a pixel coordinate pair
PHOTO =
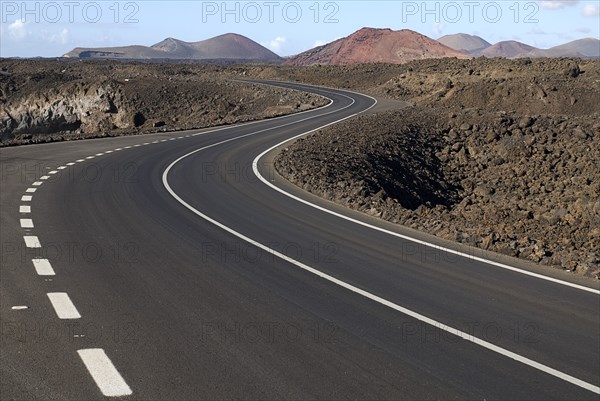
(37, 183)
(46, 177)
(32, 241)
(43, 267)
(24, 209)
(53, 172)
(31, 190)
(107, 378)
(63, 305)
(26, 198)
(26, 223)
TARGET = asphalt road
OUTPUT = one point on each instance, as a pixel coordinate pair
(169, 271)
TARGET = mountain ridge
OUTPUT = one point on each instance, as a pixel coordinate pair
(374, 45)
(229, 46)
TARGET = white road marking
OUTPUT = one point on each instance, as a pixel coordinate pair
(180, 137)
(127, 147)
(53, 172)
(37, 183)
(147, 143)
(90, 157)
(366, 294)
(164, 140)
(255, 165)
(43, 267)
(155, 141)
(109, 152)
(20, 307)
(70, 164)
(45, 177)
(31, 190)
(24, 209)
(32, 241)
(26, 223)
(26, 198)
(107, 377)
(80, 161)
(99, 154)
(62, 168)
(135, 146)
(118, 149)
(172, 139)
(63, 306)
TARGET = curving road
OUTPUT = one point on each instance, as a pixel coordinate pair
(180, 266)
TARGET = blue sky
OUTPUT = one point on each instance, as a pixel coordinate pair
(52, 28)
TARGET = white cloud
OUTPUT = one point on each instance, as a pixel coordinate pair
(583, 30)
(438, 29)
(61, 38)
(591, 10)
(537, 31)
(275, 45)
(321, 42)
(17, 30)
(557, 4)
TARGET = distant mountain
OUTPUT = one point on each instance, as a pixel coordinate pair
(465, 43)
(588, 47)
(370, 45)
(225, 47)
(551, 53)
(508, 49)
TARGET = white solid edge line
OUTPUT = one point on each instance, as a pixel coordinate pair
(382, 301)
(256, 162)
(63, 306)
(24, 209)
(43, 267)
(32, 241)
(107, 377)
(26, 223)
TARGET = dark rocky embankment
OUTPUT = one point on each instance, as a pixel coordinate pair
(507, 179)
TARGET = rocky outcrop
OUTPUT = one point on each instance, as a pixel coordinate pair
(81, 100)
